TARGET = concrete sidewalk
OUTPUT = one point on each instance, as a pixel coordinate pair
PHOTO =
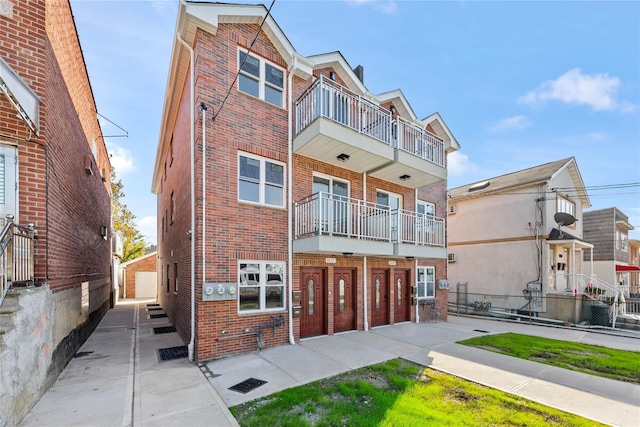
(116, 378)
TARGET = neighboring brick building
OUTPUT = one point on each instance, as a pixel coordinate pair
(319, 206)
(51, 146)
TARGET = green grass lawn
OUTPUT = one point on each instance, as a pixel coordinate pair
(606, 362)
(398, 393)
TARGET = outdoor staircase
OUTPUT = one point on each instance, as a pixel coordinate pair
(7, 310)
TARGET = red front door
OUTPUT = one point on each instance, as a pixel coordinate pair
(379, 297)
(313, 287)
(344, 313)
(401, 304)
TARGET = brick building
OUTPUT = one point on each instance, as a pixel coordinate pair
(139, 277)
(306, 205)
(54, 172)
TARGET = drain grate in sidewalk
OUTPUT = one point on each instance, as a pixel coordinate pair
(247, 385)
(157, 316)
(154, 308)
(172, 353)
(153, 304)
(164, 330)
(480, 330)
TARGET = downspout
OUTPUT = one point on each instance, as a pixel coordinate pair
(364, 275)
(193, 201)
(415, 263)
(415, 266)
(203, 110)
(292, 339)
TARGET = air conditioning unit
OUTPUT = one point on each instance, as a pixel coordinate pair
(88, 164)
(452, 209)
(452, 258)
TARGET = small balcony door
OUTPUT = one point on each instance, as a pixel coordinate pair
(424, 224)
(332, 205)
(393, 203)
(8, 187)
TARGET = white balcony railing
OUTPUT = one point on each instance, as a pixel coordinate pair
(333, 215)
(327, 99)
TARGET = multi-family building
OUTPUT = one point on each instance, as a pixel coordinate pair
(55, 283)
(292, 202)
(613, 256)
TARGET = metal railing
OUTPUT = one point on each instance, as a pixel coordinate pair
(326, 98)
(333, 215)
(16, 256)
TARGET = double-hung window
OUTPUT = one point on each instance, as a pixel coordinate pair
(260, 78)
(261, 286)
(564, 204)
(260, 180)
(426, 282)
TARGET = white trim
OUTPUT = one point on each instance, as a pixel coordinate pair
(150, 254)
(262, 181)
(262, 285)
(261, 78)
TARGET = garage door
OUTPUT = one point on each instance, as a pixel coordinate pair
(146, 284)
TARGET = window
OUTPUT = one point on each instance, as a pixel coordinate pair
(261, 286)
(426, 282)
(175, 277)
(622, 243)
(173, 208)
(261, 79)
(260, 181)
(567, 206)
(426, 209)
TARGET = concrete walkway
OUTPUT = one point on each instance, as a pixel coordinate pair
(116, 379)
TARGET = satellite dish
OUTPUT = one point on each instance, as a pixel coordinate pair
(563, 218)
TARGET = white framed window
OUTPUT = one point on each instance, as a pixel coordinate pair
(426, 281)
(426, 209)
(260, 180)
(564, 204)
(261, 286)
(260, 78)
(622, 242)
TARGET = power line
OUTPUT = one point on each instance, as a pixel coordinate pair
(213, 119)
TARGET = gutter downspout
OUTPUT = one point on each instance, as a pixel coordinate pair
(193, 201)
(415, 263)
(203, 111)
(365, 278)
(292, 339)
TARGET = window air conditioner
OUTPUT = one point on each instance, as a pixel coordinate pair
(452, 258)
(452, 209)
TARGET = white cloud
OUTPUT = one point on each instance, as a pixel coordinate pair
(121, 159)
(459, 164)
(385, 6)
(515, 122)
(148, 227)
(598, 91)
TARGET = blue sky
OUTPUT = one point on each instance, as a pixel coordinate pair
(518, 83)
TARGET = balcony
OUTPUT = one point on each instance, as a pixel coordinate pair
(336, 126)
(332, 224)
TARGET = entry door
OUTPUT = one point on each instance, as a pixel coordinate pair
(393, 203)
(312, 318)
(332, 208)
(379, 297)
(8, 188)
(401, 304)
(344, 313)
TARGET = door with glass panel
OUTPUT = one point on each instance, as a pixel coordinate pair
(424, 223)
(312, 316)
(8, 188)
(379, 297)
(344, 289)
(392, 203)
(401, 297)
(331, 206)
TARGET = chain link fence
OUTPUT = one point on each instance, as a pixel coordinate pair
(530, 306)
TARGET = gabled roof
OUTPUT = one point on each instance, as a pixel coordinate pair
(436, 122)
(133, 261)
(527, 177)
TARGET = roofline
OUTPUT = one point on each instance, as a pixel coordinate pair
(150, 254)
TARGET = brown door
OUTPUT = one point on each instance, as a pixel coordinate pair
(379, 297)
(401, 304)
(312, 317)
(344, 313)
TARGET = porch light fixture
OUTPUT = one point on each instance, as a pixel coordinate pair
(103, 231)
(343, 157)
(392, 109)
(405, 177)
(347, 254)
(410, 258)
(332, 75)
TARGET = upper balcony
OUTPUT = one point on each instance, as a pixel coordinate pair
(336, 126)
(327, 223)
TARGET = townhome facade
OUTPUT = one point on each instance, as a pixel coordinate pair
(613, 261)
(54, 202)
(292, 202)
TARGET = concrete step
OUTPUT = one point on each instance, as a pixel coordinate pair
(10, 306)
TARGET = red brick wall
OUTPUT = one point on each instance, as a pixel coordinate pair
(238, 231)
(144, 264)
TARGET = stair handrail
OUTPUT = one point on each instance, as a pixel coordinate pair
(606, 292)
(17, 262)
